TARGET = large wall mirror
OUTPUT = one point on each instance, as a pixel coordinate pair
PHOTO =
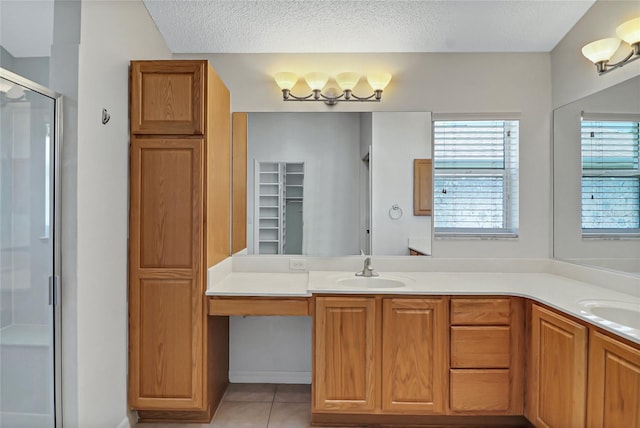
(596, 179)
(335, 184)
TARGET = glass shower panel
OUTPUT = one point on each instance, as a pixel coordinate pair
(26, 257)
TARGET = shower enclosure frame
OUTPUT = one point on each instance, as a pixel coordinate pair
(56, 188)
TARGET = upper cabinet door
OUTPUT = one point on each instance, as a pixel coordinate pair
(167, 97)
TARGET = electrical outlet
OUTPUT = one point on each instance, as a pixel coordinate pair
(297, 264)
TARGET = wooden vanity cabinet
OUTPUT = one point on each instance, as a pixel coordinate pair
(486, 339)
(178, 227)
(614, 383)
(557, 373)
(379, 355)
(346, 343)
(414, 357)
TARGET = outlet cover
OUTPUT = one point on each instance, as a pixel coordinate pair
(297, 264)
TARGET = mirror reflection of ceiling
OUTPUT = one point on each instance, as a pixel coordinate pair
(242, 26)
(20, 17)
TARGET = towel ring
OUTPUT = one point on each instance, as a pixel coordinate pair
(395, 212)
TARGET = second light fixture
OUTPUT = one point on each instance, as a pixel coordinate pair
(346, 81)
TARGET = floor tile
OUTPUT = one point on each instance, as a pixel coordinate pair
(293, 393)
(290, 415)
(250, 392)
(238, 414)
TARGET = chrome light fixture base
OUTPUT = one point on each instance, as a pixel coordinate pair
(346, 96)
(603, 67)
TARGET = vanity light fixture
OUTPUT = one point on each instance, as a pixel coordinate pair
(601, 51)
(346, 81)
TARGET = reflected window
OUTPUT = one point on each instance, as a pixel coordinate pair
(610, 177)
(476, 178)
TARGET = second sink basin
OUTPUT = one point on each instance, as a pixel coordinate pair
(622, 313)
(372, 282)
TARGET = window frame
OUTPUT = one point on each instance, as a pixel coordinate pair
(607, 233)
(508, 173)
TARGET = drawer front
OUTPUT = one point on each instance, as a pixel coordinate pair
(256, 306)
(480, 391)
(480, 311)
(480, 347)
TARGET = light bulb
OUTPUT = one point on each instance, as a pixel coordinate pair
(630, 31)
(316, 80)
(348, 80)
(286, 80)
(378, 80)
(601, 50)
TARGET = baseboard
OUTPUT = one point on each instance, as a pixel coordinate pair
(269, 377)
(127, 422)
(24, 420)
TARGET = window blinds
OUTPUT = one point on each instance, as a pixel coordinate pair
(476, 177)
(610, 176)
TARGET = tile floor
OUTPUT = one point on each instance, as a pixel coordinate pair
(247, 405)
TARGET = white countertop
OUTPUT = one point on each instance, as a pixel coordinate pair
(261, 284)
(560, 292)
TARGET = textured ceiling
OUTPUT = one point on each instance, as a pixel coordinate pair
(262, 26)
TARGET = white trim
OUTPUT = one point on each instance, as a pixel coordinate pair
(241, 376)
(610, 117)
(475, 116)
(126, 423)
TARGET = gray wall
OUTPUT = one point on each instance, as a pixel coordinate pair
(328, 144)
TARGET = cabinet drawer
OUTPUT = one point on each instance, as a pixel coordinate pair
(480, 390)
(480, 311)
(256, 306)
(480, 347)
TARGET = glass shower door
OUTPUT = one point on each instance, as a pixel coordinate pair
(27, 309)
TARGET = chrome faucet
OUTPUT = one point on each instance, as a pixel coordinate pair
(367, 270)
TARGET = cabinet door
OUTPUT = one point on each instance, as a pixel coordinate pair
(422, 187)
(414, 355)
(345, 343)
(614, 383)
(167, 97)
(166, 283)
(557, 373)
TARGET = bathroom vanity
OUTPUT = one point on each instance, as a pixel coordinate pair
(461, 348)
(439, 341)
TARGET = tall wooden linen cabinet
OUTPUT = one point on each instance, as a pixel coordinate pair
(178, 227)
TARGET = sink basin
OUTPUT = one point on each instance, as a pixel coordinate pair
(624, 314)
(372, 282)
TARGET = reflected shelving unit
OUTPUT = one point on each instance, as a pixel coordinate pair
(279, 192)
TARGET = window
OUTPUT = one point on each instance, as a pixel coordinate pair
(476, 178)
(610, 177)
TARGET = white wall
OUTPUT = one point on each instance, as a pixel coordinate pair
(398, 139)
(112, 34)
(366, 138)
(328, 144)
(573, 75)
(270, 349)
